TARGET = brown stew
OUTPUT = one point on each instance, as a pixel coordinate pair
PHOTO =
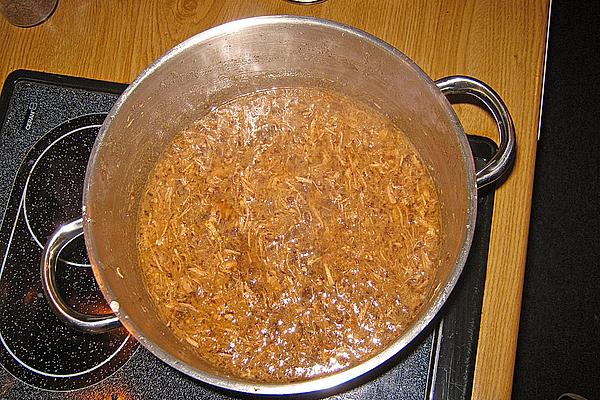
(289, 234)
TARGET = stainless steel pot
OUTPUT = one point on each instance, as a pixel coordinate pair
(238, 58)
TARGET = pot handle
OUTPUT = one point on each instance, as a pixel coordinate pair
(504, 157)
(70, 317)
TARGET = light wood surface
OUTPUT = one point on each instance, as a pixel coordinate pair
(501, 42)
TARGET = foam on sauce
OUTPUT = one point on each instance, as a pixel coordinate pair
(289, 234)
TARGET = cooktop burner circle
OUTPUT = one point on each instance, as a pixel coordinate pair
(37, 347)
(54, 186)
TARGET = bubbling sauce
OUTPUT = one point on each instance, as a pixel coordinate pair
(289, 234)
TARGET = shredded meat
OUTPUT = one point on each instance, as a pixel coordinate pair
(289, 234)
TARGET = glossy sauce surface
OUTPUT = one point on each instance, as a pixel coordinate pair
(288, 234)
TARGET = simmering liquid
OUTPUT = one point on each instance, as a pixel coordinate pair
(289, 234)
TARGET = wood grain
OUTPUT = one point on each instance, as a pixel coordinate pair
(499, 42)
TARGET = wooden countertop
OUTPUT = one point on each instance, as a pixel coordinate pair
(500, 42)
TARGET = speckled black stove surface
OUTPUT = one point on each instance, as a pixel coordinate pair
(49, 125)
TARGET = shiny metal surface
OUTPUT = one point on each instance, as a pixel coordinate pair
(69, 316)
(504, 158)
(242, 57)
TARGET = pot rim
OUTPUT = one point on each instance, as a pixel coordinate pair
(418, 325)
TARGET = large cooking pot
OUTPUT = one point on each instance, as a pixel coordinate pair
(242, 57)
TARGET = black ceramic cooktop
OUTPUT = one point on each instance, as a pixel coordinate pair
(49, 124)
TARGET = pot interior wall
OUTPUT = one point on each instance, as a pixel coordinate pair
(219, 65)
